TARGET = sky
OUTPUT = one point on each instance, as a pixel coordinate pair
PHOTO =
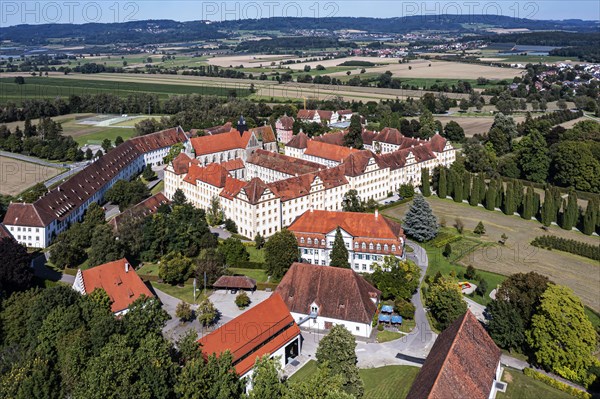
(14, 12)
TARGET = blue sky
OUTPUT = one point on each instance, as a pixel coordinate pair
(13, 12)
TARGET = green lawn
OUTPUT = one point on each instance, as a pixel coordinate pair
(149, 269)
(256, 255)
(158, 188)
(305, 372)
(407, 325)
(50, 87)
(386, 336)
(389, 382)
(110, 133)
(259, 275)
(522, 387)
(185, 293)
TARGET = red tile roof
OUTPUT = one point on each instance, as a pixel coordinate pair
(325, 115)
(287, 122)
(283, 163)
(294, 187)
(328, 151)
(231, 140)
(462, 363)
(182, 163)
(214, 174)
(368, 136)
(4, 233)
(232, 187)
(147, 207)
(299, 141)
(340, 293)
(219, 129)
(306, 114)
(264, 134)
(123, 287)
(70, 195)
(366, 225)
(336, 138)
(356, 163)
(261, 330)
(233, 164)
(239, 282)
(254, 190)
(437, 143)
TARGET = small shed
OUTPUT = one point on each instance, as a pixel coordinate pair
(235, 283)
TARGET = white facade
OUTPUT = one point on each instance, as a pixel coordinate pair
(279, 354)
(322, 324)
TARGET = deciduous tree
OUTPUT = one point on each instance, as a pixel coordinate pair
(281, 250)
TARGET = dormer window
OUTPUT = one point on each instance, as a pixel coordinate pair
(379, 247)
(323, 242)
(371, 246)
(385, 247)
(364, 246)
(393, 248)
(314, 308)
(301, 240)
(309, 241)
(355, 245)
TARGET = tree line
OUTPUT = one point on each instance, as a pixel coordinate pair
(567, 245)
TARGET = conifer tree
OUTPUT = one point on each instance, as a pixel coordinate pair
(466, 185)
(425, 185)
(419, 222)
(481, 188)
(474, 197)
(518, 195)
(527, 209)
(507, 206)
(457, 190)
(442, 184)
(499, 194)
(570, 212)
(339, 253)
(548, 211)
(590, 217)
(490, 196)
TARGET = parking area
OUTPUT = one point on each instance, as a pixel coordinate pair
(224, 301)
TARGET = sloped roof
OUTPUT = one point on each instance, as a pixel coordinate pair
(261, 330)
(254, 190)
(4, 233)
(287, 122)
(328, 151)
(390, 135)
(368, 136)
(333, 177)
(462, 363)
(299, 141)
(293, 187)
(147, 207)
(70, 195)
(335, 138)
(264, 134)
(356, 163)
(305, 114)
(233, 164)
(240, 282)
(220, 142)
(123, 287)
(283, 163)
(325, 115)
(182, 163)
(357, 224)
(437, 143)
(214, 174)
(226, 128)
(232, 187)
(340, 293)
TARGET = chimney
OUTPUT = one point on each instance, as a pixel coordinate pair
(126, 267)
(376, 213)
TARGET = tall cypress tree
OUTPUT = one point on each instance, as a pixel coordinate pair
(442, 184)
(425, 185)
(508, 200)
(537, 205)
(570, 212)
(339, 253)
(528, 207)
(548, 211)
(466, 185)
(500, 194)
(481, 195)
(518, 194)
(457, 191)
(474, 197)
(590, 217)
(490, 196)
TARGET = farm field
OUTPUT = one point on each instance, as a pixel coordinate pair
(472, 124)
(582, 275)
(42, 87)
(249, 60)
(17, 176)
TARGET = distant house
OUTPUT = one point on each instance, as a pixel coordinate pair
(118, 279)
(147, 207)
(284, 127)
(265, 329)
(368, 237)
(320, 297)
(463, 363)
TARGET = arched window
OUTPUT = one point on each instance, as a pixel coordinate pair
(309, 241)
(379, 247)
(301, 240)
(356, 245)
(323, 242)
(385, 247)
(364, 246)
(371, 246)
(393, 248)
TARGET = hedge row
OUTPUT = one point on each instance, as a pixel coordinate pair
(567, 245)
(561, 386)
(264, 286)
(444, 238)
(249, 265)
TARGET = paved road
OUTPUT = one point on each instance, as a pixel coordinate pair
(416, 344)
(476, 309)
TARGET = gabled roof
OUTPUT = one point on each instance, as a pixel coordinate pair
(462, 363)
(123, 287)
(182, 163)
(147, 207)
(325, 115)
(4, 233)
(212, 144)
(293, 187)
(226, 128)
(336, 138)
(305, 114)
(368, 136)
(261, 330)
(58, 203)
(356, 163)
(390, 135)
(328, 151)
(233, 164)
(283, 163)
(264, 134)
(254, 190)
(240, 282)
(299, 141)
(287, 122)
(333, 177)
(232, 187)
(214, 174)
(437, 143)
(339, 293)
(367, 225)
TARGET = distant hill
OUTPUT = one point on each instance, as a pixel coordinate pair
(167, 31)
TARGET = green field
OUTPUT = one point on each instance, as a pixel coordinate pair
(40, 87)
(257, 274)
(389, 382)
(110, 133)
(185, 293)
(386, 336)
(522, 387)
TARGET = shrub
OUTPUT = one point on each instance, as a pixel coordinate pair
(471, 273)
(242, 300)
(405, 309)
(482, 287)
(380, 327)
(561, 386)
(184, 311)
(479, 229)
(230, 226)
(447, 250)
(406, 191)
(567, 245)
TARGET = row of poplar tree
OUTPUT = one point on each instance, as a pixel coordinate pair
(513, 197)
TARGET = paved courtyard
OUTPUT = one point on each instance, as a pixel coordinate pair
(224, 301)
